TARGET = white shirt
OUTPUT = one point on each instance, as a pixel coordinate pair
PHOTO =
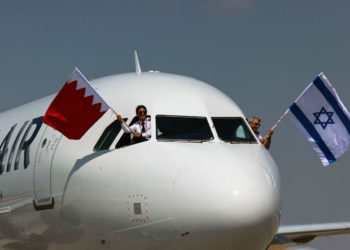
(137, 127)
(259, 136)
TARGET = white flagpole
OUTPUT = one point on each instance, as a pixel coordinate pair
(132, 131)
(277, 123)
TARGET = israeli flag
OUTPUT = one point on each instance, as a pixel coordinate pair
(323, 119)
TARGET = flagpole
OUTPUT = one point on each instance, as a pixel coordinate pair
(277, 123)
(132, 131)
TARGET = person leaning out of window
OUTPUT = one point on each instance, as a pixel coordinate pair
(142, 127)
(255, 123)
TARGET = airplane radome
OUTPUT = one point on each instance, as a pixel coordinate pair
(203, 181)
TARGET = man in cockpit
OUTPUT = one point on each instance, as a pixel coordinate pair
(255, 123)
(141, 129)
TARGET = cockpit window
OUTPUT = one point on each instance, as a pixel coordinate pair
(108, 136)
(127, 139)
(233, 129)
(183, 128)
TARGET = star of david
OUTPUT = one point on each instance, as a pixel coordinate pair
(328, 115)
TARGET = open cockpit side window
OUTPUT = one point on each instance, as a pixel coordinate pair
(233, 129)
(128, 139)
(183, 128)
(108, 136)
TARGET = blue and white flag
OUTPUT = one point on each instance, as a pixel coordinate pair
(323, 119)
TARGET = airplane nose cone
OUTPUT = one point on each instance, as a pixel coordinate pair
(230, 206)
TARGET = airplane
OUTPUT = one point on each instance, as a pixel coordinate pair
(203, 180)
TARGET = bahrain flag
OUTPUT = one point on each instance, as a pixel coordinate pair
(76, 107)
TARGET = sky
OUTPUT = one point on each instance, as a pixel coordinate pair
(262, 54)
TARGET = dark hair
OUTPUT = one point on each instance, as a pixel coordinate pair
(140, 107)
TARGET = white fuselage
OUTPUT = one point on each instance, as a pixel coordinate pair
(57, 193)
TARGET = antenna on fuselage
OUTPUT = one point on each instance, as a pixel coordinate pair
(137, 63)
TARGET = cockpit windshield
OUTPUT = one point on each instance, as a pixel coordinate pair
(233, 129)
(183, 128)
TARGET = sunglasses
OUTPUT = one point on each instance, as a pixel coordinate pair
(142, 112)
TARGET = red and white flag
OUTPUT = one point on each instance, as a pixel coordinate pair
(76, 107)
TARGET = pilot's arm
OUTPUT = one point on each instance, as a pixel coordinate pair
(126, 129)
(266, 141)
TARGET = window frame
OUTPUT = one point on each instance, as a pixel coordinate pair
(103, 136)
(182, 140)
(244, 122)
